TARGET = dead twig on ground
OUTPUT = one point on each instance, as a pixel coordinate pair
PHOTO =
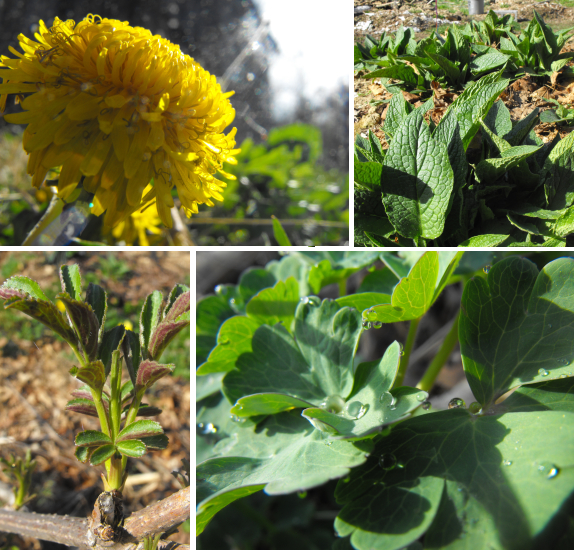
(156, 518)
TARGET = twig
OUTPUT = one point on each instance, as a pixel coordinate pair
(156, 518)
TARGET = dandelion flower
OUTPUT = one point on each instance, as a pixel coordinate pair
(118, 106)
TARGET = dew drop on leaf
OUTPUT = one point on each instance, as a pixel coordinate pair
(456, 403)
(334, 404)
(302, 494)
(206, 429)
(238, 419)
(387, 399)
(562, 376)
(371, 314)
(219, 290)
(367, 324)
(486, 269)
(548, 469)
(542, 372)
(475, 407)
(356, 409)
(388, 462)
(421, 396)
(507, 462)
(377, 324)
(427, 405)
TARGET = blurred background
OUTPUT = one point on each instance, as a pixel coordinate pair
(286, 63)
(36, 385)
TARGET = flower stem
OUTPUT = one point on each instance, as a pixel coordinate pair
(131, 416)
(441, 357)
(51, 213)
(413, 326)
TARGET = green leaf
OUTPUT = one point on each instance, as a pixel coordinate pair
(416, 292)
(101, 454)
(558, 173)
(555, 395)
(417, 180)
(565, 224)
(82, 406)
(403, 513)
(149, 319)
(489, 61)
(471, 106)
(275, 305)
(93, 374)
(501, 489)
(83, 453)
(285, 454)
(363, 300)
(266, 403)
(398, 110)
(85, 323)
(91, 438)
(279, 233)
(159, 441)
(41, 310)
(97, 298)
(319, 363)
(140, 429)
(178, 302)
(25, 285)
(368, 174)
(111, 341)
(71, 281)
(133, 448)
(131, 349)
(211, 312)
(164, 333)
(486, 241)
(371, 405)
(517, 326)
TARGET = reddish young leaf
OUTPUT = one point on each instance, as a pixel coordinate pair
(150, 372)
(180, 306)
(82, 406)
(84, 321)
(164, 333)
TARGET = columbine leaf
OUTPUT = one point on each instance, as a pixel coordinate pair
(101, 454)
(498, 492)
(417, 180)
(139, 429)
(93, 374)
(275, 305)
(416, 292)
(301, 459)
(97, 298)
(267, 403)
(71, 281)
(92, 438)
(149, 319)
(163, 334)
(517, 326)
(132, 448)
(85, 323)
(150, 372)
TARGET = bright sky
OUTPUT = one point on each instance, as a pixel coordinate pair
(314, 38)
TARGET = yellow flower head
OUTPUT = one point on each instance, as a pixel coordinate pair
(119, 106)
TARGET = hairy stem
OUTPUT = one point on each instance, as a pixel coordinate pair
(408, 347)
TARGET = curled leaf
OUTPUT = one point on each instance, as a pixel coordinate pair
(150, 372)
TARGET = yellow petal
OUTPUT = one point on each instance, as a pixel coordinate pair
(96, 155)
(136, 151)
(84, 106)
(137, 184)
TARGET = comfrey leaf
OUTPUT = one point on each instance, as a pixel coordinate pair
(417, 180)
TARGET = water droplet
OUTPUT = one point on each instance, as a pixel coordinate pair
(377, 324)
(507, 462)
(371, 314)
(302, 494)
(334, 404)
(238, 419)
(562, 376)
(456, 403)
(219, 289)
(542, 372)
(206, 429)
(549, 325)
(367, 324)
(421, 396)
(427, 405)
(486, 268)
(239, 406)
(475, 407)
(548, 469)
(387, 462)
(388, 400)
(232, 302)
(356, 409)
(313, 301)
(328, 443)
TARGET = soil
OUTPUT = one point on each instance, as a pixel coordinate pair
(36, 386)
(521, 97)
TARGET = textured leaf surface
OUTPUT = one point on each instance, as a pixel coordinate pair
(559, 174)
(285, 454)
(501, 488)
(85, 323)
(133, 448)
(101, 454)
(149, 372)
(91, 438)
(25, 285)
(318, 364)
(417, 180)
(71, 281)
(149, 318)
(139, 429)
(97, 298)
(517, 326)
(93, 374)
